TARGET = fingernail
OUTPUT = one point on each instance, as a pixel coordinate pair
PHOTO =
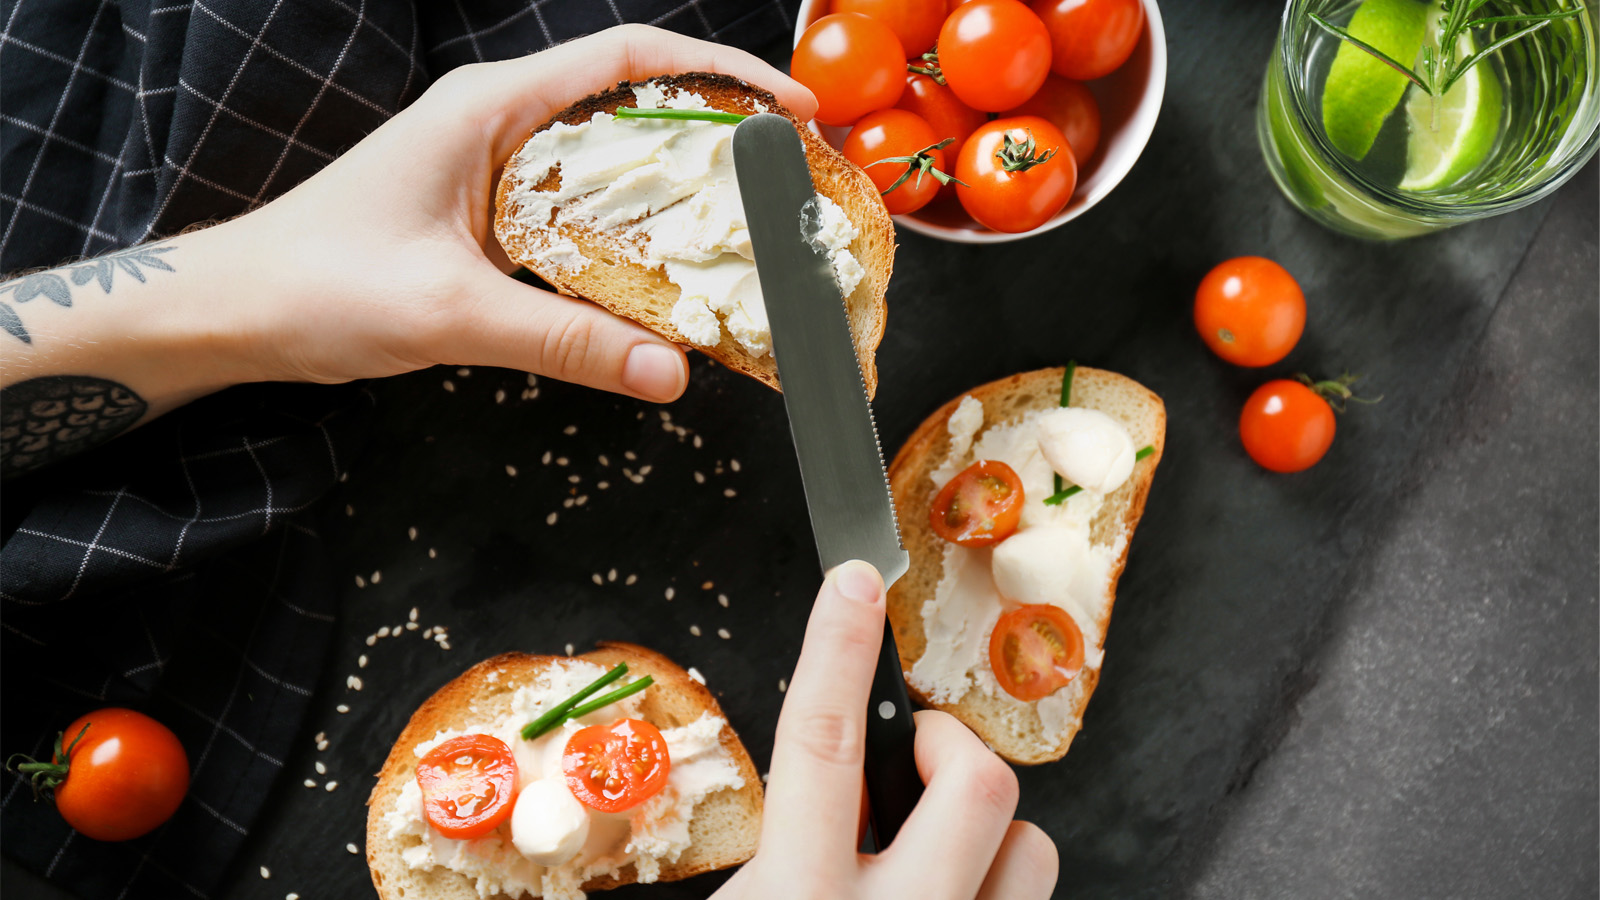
(654, 372)
(858, 581)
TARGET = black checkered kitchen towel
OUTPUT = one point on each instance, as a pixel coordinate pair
(175, 570)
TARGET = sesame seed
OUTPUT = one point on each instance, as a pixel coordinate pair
(699, 478)
(349, 510)
(580, 500)
(545, 458)
(377, 577)
(629, 455)
(266, 872)
(354, 682)
(342, 709)
(597, 579)
(439, 636)
(432, 553)
(291, 896)
(734, 464)
(570, 430)
(631, 579)
(783, 685)
(645, 470)
(511, 470)
(413, 614)
(533, 380)
(383, 632)
(566, 503)
(361, 661)
(604, 461)
(723, 633)
(321, 736)
(561, 460)
(680, 431)
(427, 634)
(637, 479)
(697, 443)
(444, 645)
(372, 639)
(570, 648)
(671, 593)
(694, 630)
(411, 626)
(765, 776)
(574, 479)
(360, 582)
(627, 472)
(321, 769)
(351, 848)
(550, 519)
(729, 492)
(500, 396)
(322, 744)
(665, 416)
(412, 532)
(706, 586)
(723, 600)
(464, 373)
(450, 385)
(639, 415)
(695, 674)
(667, 427)
(343, 477)
(603, 485)
(533, 394)
(310, 783)
(330, 786)
(611, 575)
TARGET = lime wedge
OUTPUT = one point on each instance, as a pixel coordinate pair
(1451, 135)
(1362, 90)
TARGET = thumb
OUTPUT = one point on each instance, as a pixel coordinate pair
(517, 326)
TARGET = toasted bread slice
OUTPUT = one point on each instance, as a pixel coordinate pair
(723, 831)
(647, 297)
(1012, 727)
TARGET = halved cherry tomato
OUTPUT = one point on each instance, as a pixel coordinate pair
(115, 774)
(1069, 106)
(979, 507)
(994, 53)
(852, 63)
(618, 766)
(468, 785)
(895, 134)
(1090, 39)
(1035, 650)
(1018, 173)
(915, 22)
(1250, 311)
(1286, 426)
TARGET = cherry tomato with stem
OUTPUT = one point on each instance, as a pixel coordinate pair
(979, 507)
(1288, 426)
(1250, 311)
(1016, 173)
(1035, 651)
(1069, 106)
(943, 110)
(120, 775)
(469, 785)
(994, 53)
(915, 22)
(1090, 39)
(615, 767)
(902, 155)
(853, 64)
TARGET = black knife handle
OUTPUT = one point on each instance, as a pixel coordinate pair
(893, 785)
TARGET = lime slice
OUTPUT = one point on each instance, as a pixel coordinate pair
(1362, 90)
(1451, 135)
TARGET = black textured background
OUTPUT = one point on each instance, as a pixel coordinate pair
(1374, 679)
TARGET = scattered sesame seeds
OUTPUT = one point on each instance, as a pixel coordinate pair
(574, 479)
(631, 580)
(349, 510)
(603, 485)
(697, 442)
(343, 477)
(372, 639)
(321, 769)
(570, 648)
(361, 661)
(722, 599)
(695, 674)
(330, 786)
(360, 582)
(566, 503)
(699, 478)
(383, 632)
(723, 633)
(681, 432)
(321, 736)
(500, 396)
(432, 553)
(604, 461)
(733, 464)
(545, 459)
(570, 430)
(533, 380)
(670, 593)
(322, 744)
(511, 470)
(597, 579)
(611, 575)
(342, 709)
(580, 500)
(665, 416)
(729, 492)
(412, 532)
(427, 634)
(667, 427)
(645, 470)
(310, 783)
(450, 385)
(266, 872)
(629, 455)
(550, 519)
(444, 645)
(351, 848)
(637, 479)
(694, 630)
(291, 896)
(706, 586)
(412, 615)
(376, 577)
(353, 682)
(783, 685)
(561, 460)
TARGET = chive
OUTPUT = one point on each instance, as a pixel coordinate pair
(1060, 495)
(558, 713)
(1145, 452)
(1066, 400)
(681, 115)
(600, 702)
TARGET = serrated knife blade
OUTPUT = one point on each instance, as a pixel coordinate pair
(835, 438)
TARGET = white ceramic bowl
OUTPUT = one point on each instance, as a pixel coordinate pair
(1129, 100)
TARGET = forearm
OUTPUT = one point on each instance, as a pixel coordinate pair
(94, 348)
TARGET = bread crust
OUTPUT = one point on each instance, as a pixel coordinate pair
(909, 479)
(674, 699)
(647, 297)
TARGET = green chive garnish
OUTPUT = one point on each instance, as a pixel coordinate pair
(626, 690)
(682, 115)
(558, 713)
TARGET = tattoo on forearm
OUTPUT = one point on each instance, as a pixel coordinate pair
(45, 419)
(52, 284)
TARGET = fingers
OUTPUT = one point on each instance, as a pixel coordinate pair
(529, 90)
(1025, 868)
(814, 790)
(516, 326)
(948, 843)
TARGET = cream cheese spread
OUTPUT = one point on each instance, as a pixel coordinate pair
(575, 845)
(1050, 559)
(667, 190)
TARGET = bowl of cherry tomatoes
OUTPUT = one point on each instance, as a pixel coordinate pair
(984, 121)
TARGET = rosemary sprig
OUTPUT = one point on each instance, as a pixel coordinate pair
(681, 115)
(1439, 72)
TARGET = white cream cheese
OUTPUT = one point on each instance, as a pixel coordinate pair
(668, 190)
(655, 831)
(1050, 559)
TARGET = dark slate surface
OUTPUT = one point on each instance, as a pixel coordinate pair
(1376, 678)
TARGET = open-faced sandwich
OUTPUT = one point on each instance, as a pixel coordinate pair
(643, 216)
(549, 776)
(1017, 501)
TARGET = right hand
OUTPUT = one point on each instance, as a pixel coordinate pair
(960, 842)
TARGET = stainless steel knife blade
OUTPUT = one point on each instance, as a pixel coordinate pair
(841, 464)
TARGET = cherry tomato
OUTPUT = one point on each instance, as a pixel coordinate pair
(852, 63)
(895, 133)
(1286, 426)
(1250, 311)
(915, 22)
(981, 506)
(1035, 650)
(994, 53)
(1070, 107)
(943, 110)
(1090, 39)
(618, 766)
(115, 774)
(468, 785)
(1040, 182)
